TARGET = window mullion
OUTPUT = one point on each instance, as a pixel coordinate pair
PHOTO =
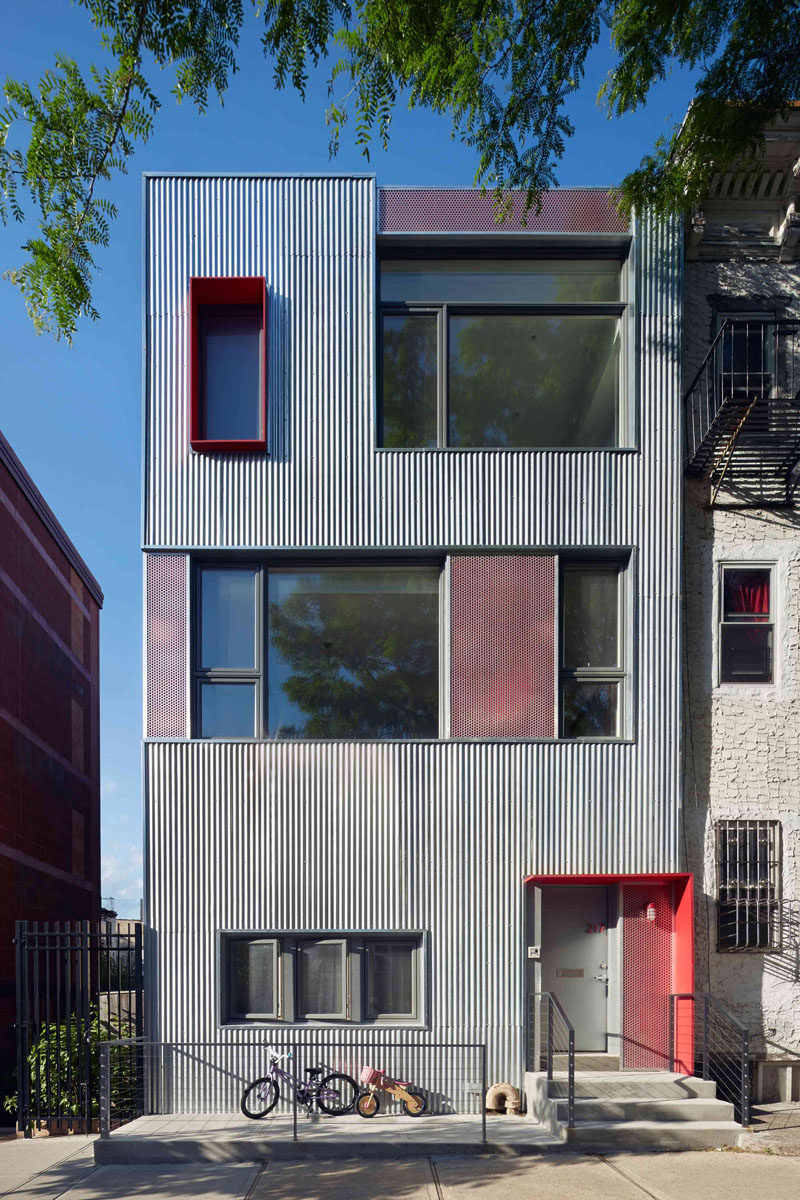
(444, 352)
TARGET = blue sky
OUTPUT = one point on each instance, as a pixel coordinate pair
(73, 415)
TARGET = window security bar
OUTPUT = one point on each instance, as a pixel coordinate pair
(748, 885)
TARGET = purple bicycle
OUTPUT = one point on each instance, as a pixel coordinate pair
(335, 1094)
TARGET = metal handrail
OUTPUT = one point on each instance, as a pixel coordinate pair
(553, 1005)
(713, 1059)
(721, 399)
(728, 323)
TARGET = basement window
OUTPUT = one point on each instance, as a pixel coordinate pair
(326, 977)
(748, 885)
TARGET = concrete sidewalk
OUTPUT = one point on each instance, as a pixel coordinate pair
(774, 1129)
(63, 1168)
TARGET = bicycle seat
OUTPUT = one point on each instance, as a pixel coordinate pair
(313, 1071)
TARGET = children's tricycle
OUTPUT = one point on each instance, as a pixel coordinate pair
(368, 1103)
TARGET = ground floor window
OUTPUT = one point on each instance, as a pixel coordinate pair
(748, 885)
(354, 977)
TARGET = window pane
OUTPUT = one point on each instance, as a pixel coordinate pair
(497, 282)
(746, 653)
(533, 381)
(589, 709)
(590, 601)
(227, 709)
(747, 359)
(228, 617)
(354, 653)
(253, 978)
(231, 373)
(390, 978)
(410, 388)
(746, 593)
(320, 978)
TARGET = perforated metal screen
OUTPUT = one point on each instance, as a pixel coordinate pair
(457, 210)
(647, 975)
(502, 670)
(166, 645)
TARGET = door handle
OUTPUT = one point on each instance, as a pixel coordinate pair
(602, 978)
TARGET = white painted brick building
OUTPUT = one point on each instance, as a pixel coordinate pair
(742, 549)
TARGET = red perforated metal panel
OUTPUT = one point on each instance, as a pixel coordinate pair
(646, 975)
(463, 210)
(166, 645)
(502, 670)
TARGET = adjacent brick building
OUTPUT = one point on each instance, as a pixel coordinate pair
(49, 727)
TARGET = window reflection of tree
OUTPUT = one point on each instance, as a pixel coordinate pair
(409, 380)
(358, 664)
(522, 380)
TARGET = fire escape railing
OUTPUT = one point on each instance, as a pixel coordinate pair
(742, 410)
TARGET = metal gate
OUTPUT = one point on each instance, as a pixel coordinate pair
(78, 984)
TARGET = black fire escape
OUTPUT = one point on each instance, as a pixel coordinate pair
(742, 414)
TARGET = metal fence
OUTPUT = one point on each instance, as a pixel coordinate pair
(211, 1077)
(709, 1041)
(78, 983)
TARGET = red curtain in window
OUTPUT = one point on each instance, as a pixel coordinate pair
(747, 592)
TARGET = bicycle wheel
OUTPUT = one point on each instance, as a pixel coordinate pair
(337, 1094)
(417, 1106)
(367, 1104)
(260, 1098)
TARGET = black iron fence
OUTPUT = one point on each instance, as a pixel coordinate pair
(78, 984)
(184, 1078)
(551, 1047)
(709, 1041)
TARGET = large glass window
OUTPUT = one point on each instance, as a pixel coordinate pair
(354, 653)
(746, 625)
(329, 652)
(350, 977)
(501, 354)
(592, 670)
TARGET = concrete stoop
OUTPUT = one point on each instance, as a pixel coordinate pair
(633, 1110)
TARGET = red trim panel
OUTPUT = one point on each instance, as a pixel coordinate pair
(638, 972)
(234, 289)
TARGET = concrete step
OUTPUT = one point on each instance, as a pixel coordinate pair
(686, 1109)
(626, 1085)
(652, 1135)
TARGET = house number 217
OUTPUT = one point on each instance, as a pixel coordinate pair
(591, 927)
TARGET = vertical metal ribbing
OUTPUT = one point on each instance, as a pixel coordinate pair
(457, 826)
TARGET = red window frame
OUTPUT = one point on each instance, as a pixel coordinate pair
(222, 290)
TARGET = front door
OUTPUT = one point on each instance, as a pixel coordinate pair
(574, 958)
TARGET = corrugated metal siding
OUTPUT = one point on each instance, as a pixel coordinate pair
(277, 835)
(322, 483)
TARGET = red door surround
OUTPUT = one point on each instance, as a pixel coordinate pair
(657, 958)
